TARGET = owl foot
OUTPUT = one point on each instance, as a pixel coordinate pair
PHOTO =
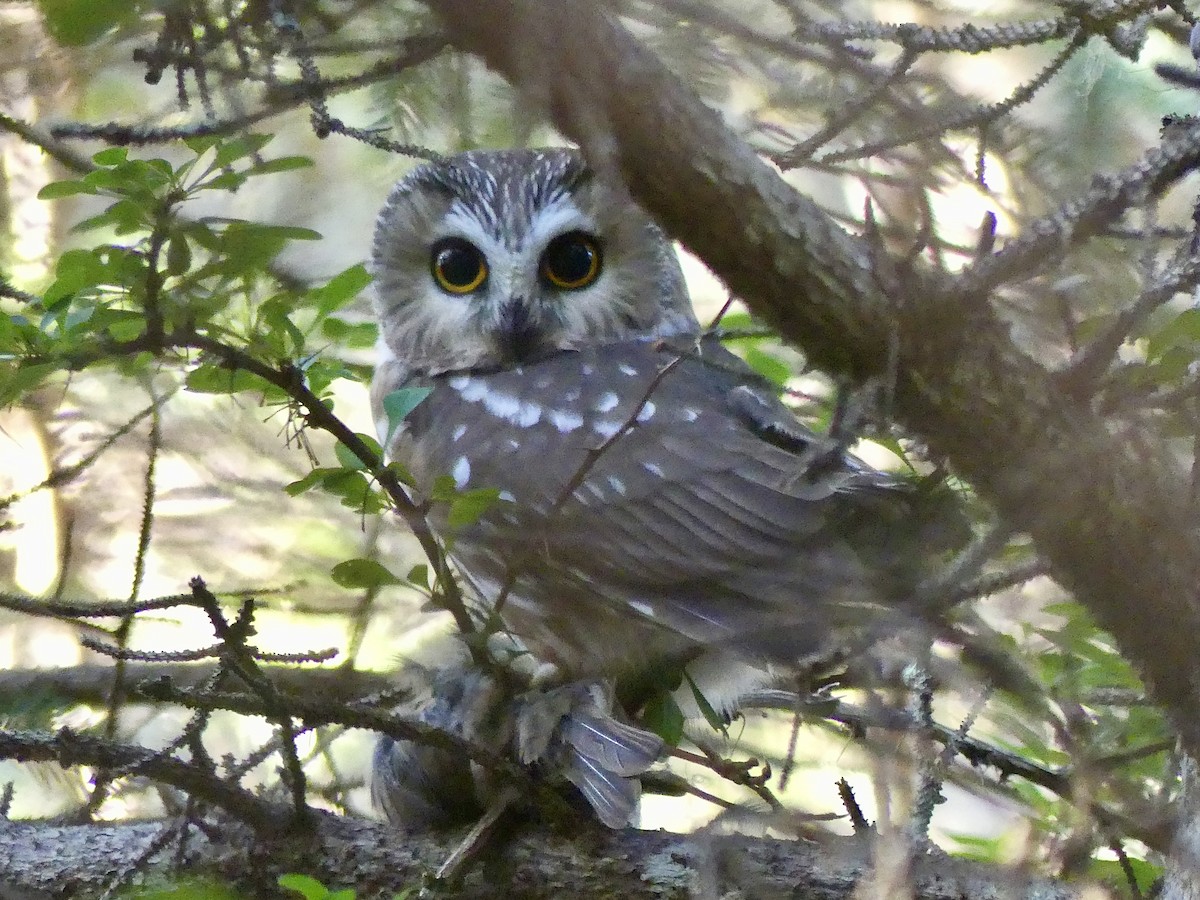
(568, 732)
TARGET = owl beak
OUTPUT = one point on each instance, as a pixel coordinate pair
(517, 335)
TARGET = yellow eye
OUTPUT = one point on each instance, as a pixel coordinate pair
(572, 261)
(457, 266)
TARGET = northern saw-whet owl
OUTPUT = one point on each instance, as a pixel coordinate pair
(657, 504)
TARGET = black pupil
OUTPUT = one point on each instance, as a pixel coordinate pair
(570, 259)
(458, 265)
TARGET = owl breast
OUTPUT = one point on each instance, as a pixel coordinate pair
(637, 513)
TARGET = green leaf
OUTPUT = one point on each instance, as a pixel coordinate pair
(202, 143)
(349, 459)
(73, 23)
(281, 164)
(122, 325)
(1183, 330)
(75, 271)
(248, 246)
(113, 156)
(663, 716)
(56, 189)
(467, 507)
(308, 482)
(354, 490)
(715, 720)
(359, 335)
(226, 181)
(305, 885)
(214, 379)
(179, 255)
(418, 576)
(767, 366)
(399, 404)
(15, 381)
(363, 573)
(238, 147)
(287, 338)
(340, 289)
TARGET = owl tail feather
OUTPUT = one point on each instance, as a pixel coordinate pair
(612, 797)
(571, 732)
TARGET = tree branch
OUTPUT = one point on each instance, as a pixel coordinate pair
(59, 862)
(1104, 506)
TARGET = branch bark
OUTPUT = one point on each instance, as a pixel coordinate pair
(1104, 506)
(46, 862)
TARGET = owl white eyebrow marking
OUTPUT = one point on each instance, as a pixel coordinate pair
(462, 472)
(607, 401)
(646, 413)
(557, 217)
(565, 420)
(627, 369)
(458, 432)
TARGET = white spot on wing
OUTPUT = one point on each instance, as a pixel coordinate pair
(616, 484)
(506, 496)
(528, 415)
(586, 370)
(459, 382)
(608, 400)
(461, 472)
(606, 430)
(503, 406)
(644, 609)
(565, 420)
(691, 415)
(458, 432)
(514, 443)
(646, 413)
(472, 390)
(627, 369)
(653, 468)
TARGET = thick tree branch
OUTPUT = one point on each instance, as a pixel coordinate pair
(57, 862)
(1105, 507)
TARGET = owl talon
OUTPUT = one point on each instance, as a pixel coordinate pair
(567, 732)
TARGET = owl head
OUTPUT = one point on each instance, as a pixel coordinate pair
(487, 260)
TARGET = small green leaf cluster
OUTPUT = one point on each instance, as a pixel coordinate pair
(156, 278)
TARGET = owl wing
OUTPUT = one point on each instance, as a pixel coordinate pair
(640, 481)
